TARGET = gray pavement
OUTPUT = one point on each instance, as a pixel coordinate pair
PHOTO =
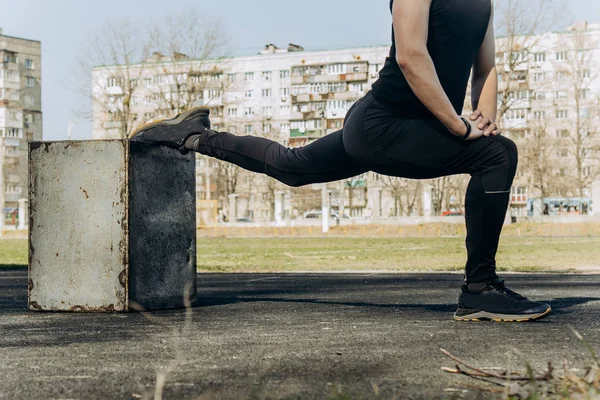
(293, 336)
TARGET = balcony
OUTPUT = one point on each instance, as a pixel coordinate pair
(12, 142)
(295, 133)
(12, 197)
(518, 199)
(329, 78)
(306, 98)
(305, 115)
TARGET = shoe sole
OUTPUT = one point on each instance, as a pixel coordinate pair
(495, 317)
(187, 114)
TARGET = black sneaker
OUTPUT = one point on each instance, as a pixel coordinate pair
(175, 131)
(495, 302)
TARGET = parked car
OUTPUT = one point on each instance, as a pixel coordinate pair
(455, 213)
(244, 219)
(319, 214)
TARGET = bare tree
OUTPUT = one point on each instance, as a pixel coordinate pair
(576, 73)
(192, 72)
(404, 192)
(517, 22)
(541, 154)
(151, 73)
(122, 47)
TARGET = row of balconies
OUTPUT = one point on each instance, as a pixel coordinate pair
(354, 77)
(305, 98)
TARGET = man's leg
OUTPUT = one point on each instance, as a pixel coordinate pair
(324, 160)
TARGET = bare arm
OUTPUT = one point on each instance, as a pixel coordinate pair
(411, 23)
(484, 85)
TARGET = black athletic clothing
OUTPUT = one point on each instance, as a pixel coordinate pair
(456, 31)
(375, 138)
(397, 136)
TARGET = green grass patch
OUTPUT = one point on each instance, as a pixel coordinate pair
(528, 254)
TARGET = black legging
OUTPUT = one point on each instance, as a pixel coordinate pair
(376, 139)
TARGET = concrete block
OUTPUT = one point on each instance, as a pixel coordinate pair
(112, 226)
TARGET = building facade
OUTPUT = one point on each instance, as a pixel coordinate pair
(20, 119)
(296, 96)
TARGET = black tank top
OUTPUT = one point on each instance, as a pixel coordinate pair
(456, 31)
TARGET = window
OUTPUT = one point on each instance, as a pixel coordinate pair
(539, 77)
(266, 75)
(336, 69)
(563, 172)
(284, 92)
(232, 112)
(147, 82)
(14, 133)
(539, 95)
(249, 111)
(213, 94)
(563, 153)
(584, 113)
(28, 100)
(584, 74)
(113, 82)
(284, 110)
(561, 94)
(284, 127)
(133, 83)
(30, 81)
(583, 94)
(539, 57)
(29, 64)
(233, 129)
(13, 189)
(561, 76)
(563, 133)
(266, 93)
(249, 76)
(539, 115)
(10, 58)
(249, 94)
(562, 114)
(561, 56)
(356, 87)
(248, 129)
(283, 74)
(267, 111)
(231, 78)
(12, 115)
(266, 128)
(517, 113)
(520, 95)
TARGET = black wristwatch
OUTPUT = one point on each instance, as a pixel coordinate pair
(468, 125)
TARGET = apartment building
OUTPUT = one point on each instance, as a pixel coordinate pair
(290, 95)
(296, 96)
(549, 98)
(20, 119)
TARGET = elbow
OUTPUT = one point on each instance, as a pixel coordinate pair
(407, 58)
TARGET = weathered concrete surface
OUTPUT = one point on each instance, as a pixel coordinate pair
(78, 225)
(162, 226)
(254, 336)
(112, 226)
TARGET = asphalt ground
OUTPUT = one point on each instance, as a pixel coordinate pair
(288, 336)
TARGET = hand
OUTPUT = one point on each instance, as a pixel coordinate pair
(459, 129)
(488, 126)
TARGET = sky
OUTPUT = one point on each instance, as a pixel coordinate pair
(64, 25)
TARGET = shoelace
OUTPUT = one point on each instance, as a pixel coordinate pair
(502, 288)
